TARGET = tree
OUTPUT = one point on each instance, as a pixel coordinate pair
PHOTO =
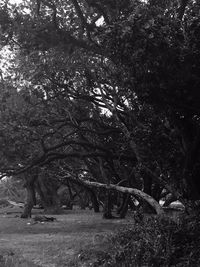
(108, 93)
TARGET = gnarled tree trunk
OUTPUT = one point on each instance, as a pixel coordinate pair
(47, 191)
(30, 195)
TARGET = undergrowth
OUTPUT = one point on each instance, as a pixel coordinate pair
(153, 242)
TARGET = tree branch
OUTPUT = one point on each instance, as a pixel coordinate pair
(133, 191)
(82, 18)
(182, 8)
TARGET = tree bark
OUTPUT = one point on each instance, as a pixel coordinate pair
(30, 196)
(107, 213)
(48, 194)
(124, 208)
(94, 200)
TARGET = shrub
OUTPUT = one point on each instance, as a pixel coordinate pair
(153, 242)
(144, 244)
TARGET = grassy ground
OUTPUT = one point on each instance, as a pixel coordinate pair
(51, 244)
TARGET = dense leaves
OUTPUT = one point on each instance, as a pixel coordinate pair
(105, 91)
(155, 242)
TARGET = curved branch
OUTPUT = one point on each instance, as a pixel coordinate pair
(133, 191)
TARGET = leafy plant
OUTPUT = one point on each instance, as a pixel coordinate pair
(153, 242)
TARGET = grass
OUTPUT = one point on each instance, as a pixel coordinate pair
(9, 259)
(52, 244)
(83, 238)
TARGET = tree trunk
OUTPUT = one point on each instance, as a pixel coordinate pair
(124, 208)
(95, 203)
(192, 170)
(189, 131)
(107, 213)
(71, 196)
(54, 205)
(30, 196)
(121, 204)
(148, 190)
(83, 200)
(156, 192)
(64, 197)
(48, 194)
(94, 200)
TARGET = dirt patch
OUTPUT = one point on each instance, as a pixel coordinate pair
(52, 244)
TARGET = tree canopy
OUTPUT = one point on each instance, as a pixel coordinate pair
(103, 91)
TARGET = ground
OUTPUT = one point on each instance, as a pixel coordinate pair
(51, 244)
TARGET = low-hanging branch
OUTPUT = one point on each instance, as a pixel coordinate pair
(133, 191)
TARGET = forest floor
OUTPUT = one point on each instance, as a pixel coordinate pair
(51, 244)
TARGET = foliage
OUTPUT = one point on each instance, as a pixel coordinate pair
(107, 91)
(154, 242)
(119, 95)
(12, 189)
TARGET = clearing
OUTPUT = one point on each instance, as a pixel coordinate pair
(51, 244)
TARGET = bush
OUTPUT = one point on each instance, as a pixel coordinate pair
(144, 244)
(154, 242)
